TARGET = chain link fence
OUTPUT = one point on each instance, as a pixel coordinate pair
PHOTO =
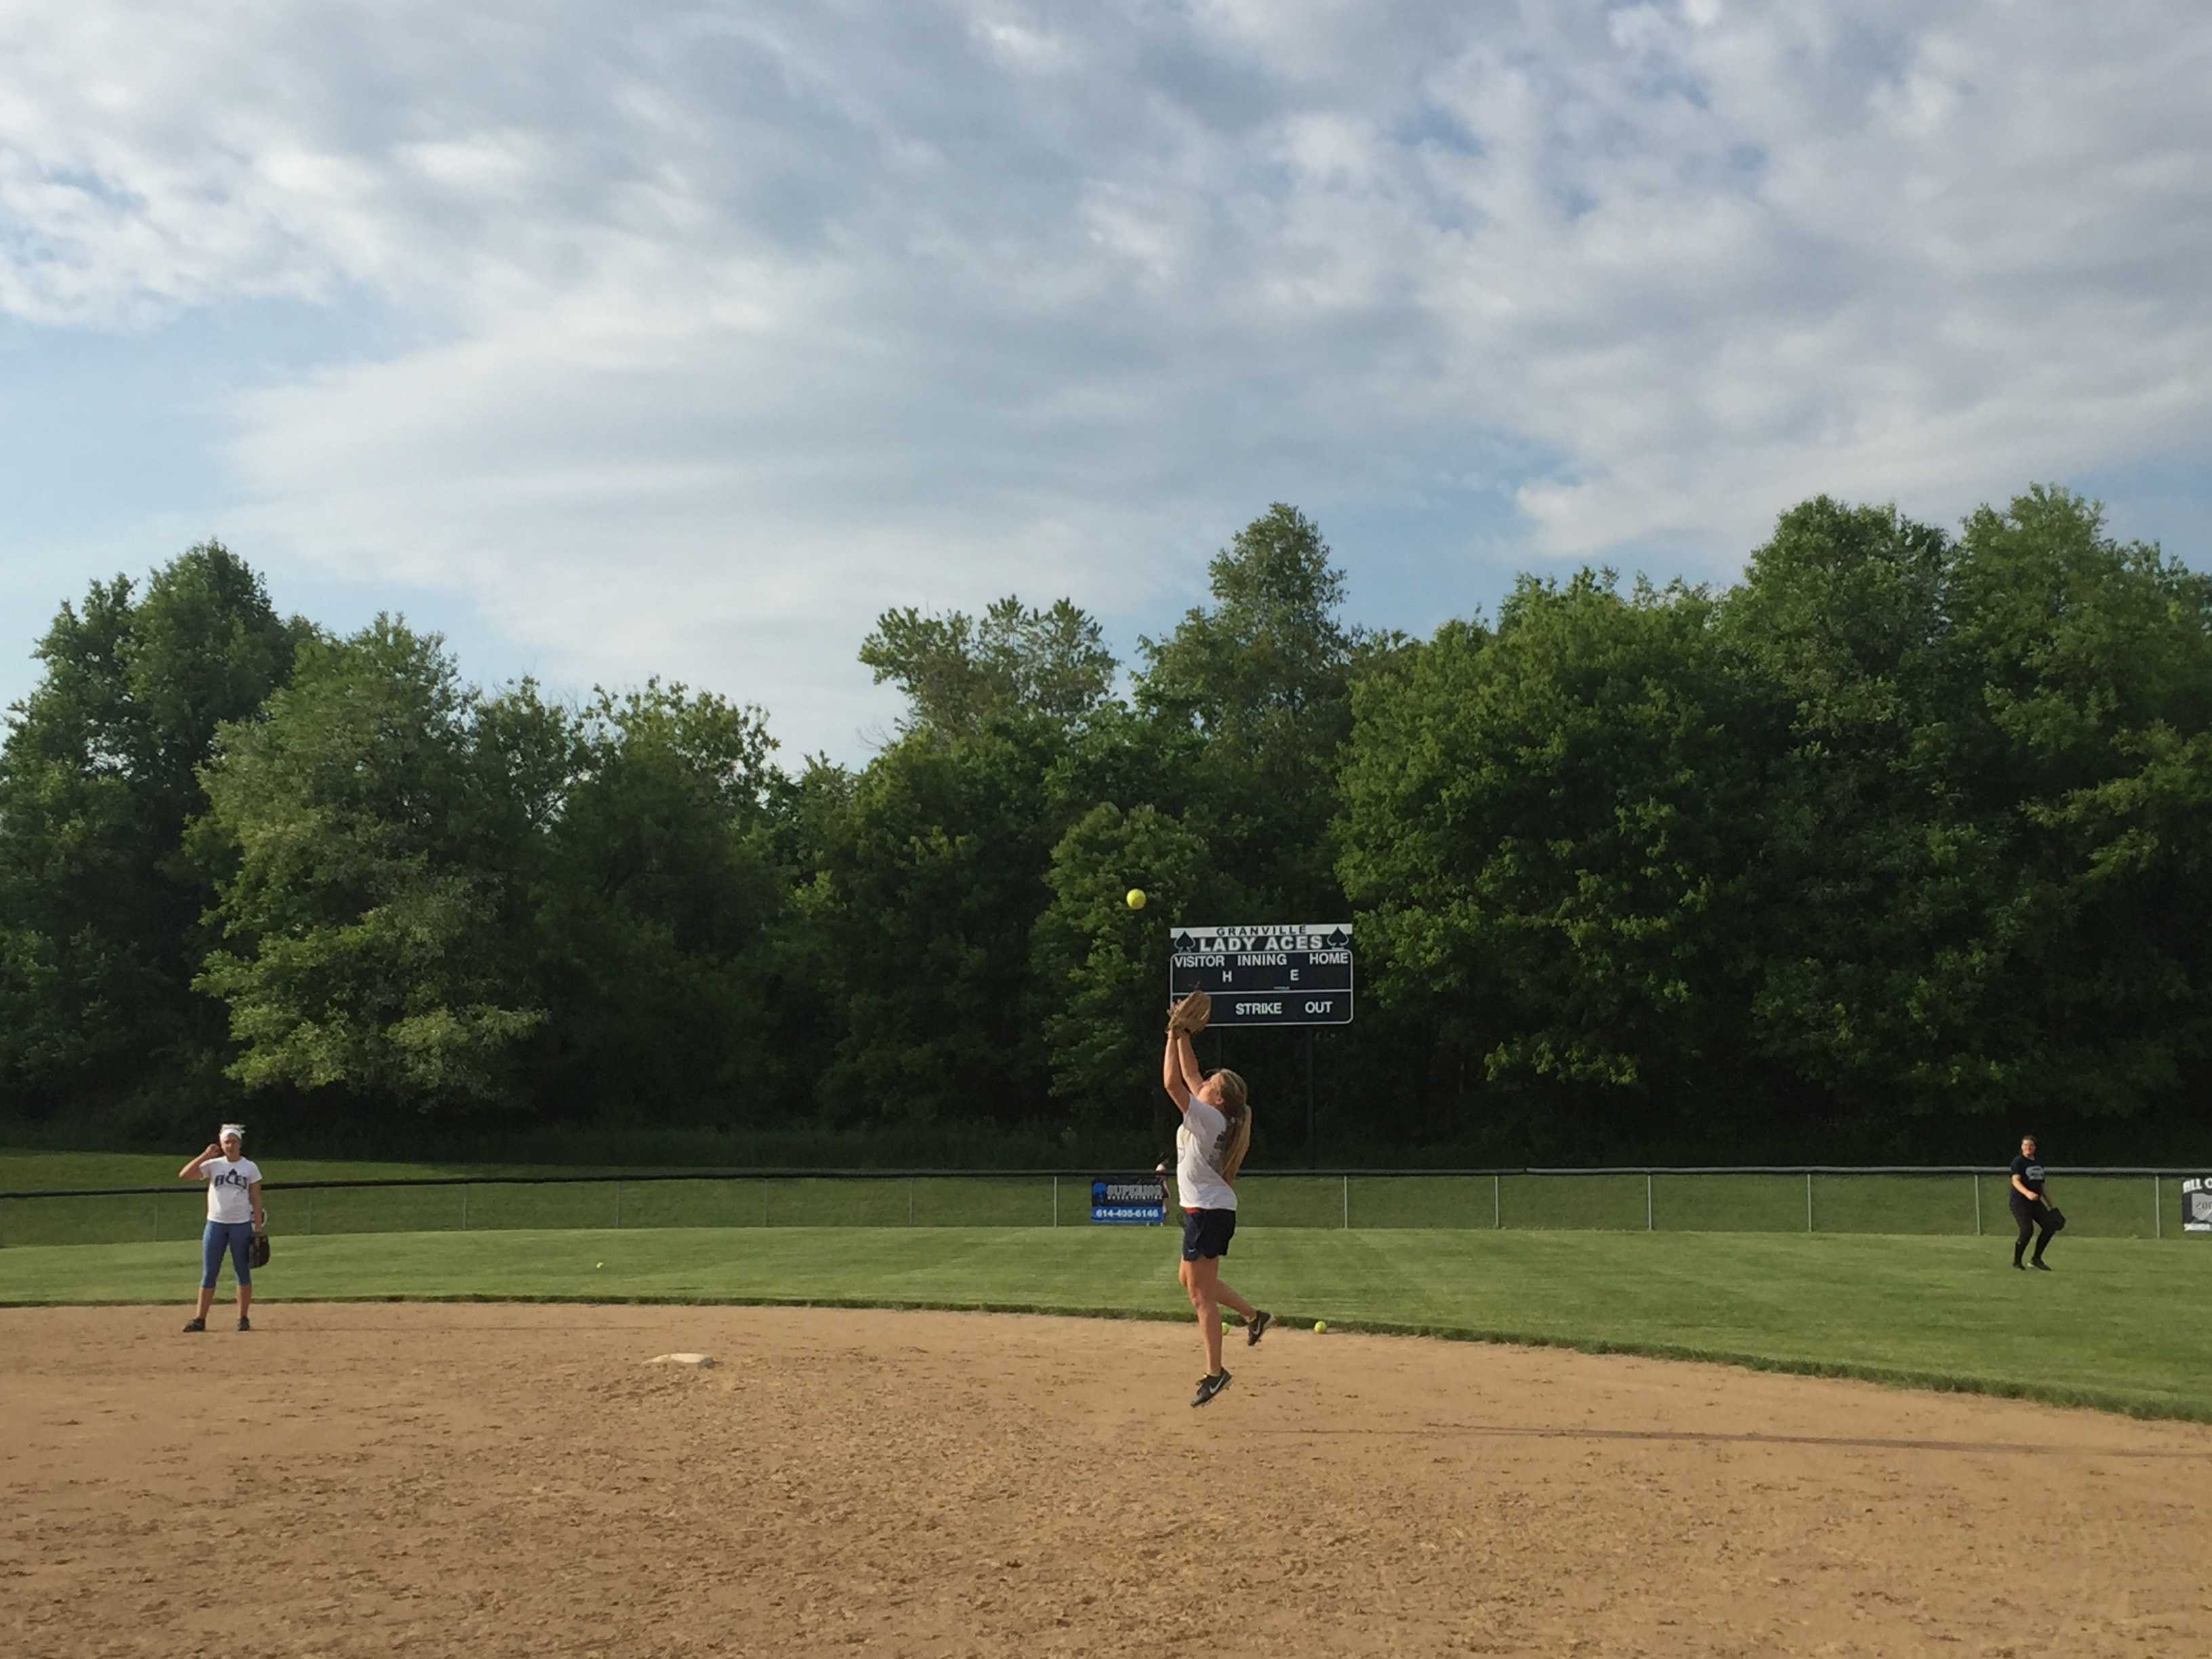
(2104, 1203)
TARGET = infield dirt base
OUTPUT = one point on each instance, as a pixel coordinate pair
(510, 1480)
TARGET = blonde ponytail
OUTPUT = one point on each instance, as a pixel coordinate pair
(1236, 1136)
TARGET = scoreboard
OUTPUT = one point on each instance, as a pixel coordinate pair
(1266, 974)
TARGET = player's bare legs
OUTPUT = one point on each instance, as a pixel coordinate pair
(1200, 1278)
(207, 1300)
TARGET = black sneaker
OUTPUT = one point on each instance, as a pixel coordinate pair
(2019, 1267)
(2040, 1266)
(196, 1324)
(244, 1323)
(1210, 1386)
(1258, 1329)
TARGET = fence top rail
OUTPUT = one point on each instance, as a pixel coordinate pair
(1095, 1172)
(1816, 1169)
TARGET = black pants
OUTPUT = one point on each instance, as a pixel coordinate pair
(2033, 1218)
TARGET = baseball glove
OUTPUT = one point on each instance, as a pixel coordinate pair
(257, 1253)
(1189, 1015)
(2053, 1218)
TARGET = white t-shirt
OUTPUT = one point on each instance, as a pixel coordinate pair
(1198, 1183)
(227, 1198)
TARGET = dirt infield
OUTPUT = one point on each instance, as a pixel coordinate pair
(503, 1480)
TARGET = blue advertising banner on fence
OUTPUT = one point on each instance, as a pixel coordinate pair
(1128, 1203)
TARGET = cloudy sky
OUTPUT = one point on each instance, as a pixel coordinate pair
(621, 338)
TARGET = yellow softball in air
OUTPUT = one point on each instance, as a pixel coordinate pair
(1135, 900)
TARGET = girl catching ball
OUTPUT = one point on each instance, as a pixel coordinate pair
(1210, 1147)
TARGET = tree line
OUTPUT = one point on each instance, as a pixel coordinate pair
(1896, 845)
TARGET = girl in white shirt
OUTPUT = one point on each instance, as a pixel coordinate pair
(1210, 1147)
(233, 1210)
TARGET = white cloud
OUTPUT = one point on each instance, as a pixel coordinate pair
(730, 327)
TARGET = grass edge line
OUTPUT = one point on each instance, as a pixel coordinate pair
(2142, 1408)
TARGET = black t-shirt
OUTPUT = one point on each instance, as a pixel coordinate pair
(2030, 1172)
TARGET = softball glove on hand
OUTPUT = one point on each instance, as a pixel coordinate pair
(1189, 1015)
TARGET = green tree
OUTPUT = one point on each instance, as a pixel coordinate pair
(2080, 678)
(1841, 621)
(1542, 834)
(371, 911)
(99, 905)
(1101, 968)
(923, 908)
(958, 672)
(657, 891)
(801, 967)
(1981, 836)
(1264, 674)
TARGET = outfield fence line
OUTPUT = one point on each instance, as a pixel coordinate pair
(1111, 1172)
(2142, 1202)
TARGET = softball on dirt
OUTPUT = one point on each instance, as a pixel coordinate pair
(1135, 899)
(1321, 1325)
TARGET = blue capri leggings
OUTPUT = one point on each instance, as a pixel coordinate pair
(237, 1237)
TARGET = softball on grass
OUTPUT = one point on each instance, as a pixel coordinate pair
(1136, 898)
(1321, 1325)
(598, 1264)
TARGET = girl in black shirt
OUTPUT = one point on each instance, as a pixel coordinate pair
(2029, 1207)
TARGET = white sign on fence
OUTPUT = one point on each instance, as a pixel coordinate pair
(2197, 1203)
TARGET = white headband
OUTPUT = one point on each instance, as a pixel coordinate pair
(230, 1129)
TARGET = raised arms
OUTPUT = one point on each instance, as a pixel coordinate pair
(1173, 1079)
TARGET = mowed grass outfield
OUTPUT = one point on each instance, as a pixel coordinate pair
(1892, 1284)
(2123, 1325)
(484, 1198)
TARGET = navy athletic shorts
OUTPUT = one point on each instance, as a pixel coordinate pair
(1207, 1232)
